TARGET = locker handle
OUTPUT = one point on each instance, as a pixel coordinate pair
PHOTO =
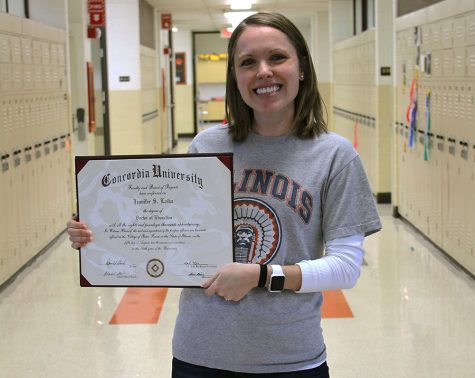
(464, 151)
(5, 165)
(452, 146)
(37, 151)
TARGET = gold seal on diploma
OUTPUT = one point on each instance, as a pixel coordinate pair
(155, 268)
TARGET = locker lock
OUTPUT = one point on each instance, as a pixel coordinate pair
(47, 147)
(37, 151)
(27, 154)
(16, 158)
(464, 151)
(452, 146)
(440, 142)
(55, 144)
(5, 165)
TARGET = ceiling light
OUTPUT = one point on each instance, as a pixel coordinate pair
(174, 29)
(241, 4)
(236, 17)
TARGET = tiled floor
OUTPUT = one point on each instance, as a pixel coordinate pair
(413, 317)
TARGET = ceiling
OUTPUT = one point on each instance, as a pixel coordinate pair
(207, 15)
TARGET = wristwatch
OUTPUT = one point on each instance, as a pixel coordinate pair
(277, 279)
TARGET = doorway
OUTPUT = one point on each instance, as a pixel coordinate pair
(100, 97)
(209, 86)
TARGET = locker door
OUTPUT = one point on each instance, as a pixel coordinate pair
(4, 258)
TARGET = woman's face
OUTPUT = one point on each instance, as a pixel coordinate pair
(267, 71)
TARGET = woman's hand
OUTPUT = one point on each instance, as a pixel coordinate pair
(233, 281)
(78, 233)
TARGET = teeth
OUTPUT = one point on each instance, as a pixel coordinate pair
(267, 90)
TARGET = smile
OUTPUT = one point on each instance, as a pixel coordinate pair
(268, 90)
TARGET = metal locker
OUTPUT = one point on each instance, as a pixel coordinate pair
(16, 50)
(470, 29)
(28, 77)
(448, 63)
(5, 223)
(459, 62)
(21, 236)
(447, 34)
(5, 49)
(37, 53)
(27, 50)
(30, 245)
(470, 109)
(470, 61)
(36, 195)
(18, 121)
(436, 35)
(12, 182)
(426, 37)
(6, 74)
(459, 32)
(54, 54)
(3, 229)
(7, 119)
(467, 188)
(45, 54)
(38, 77)
(17, 77)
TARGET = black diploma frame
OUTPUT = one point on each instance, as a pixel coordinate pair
(157, 220)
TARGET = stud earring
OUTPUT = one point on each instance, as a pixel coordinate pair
(301, 77)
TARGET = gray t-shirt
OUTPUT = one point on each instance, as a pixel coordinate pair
(290, 196)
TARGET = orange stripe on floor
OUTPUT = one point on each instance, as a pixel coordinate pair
(335, 305)
(140, 306)
(143, 306)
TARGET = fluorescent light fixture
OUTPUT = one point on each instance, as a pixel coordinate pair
(174, 29)
(236, 17)
(241, 4)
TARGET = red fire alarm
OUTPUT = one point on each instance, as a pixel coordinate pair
(166, 21)
(166, 51)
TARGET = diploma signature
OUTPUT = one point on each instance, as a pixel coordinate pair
(196, 264)
(119, 274)
(119, 261)
(196, 274)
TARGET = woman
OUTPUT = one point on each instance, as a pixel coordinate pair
(298, 190)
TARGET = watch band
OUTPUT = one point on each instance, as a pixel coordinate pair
(277, 270)
(262, 276)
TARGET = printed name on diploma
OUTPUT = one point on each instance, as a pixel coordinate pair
(156, 172)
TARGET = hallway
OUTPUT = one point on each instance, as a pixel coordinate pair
(412, 317)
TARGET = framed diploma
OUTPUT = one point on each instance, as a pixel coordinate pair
(161, 220)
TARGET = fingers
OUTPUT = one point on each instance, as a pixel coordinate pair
(74, 223)
(232, 281)
(209, 281)
(79, 234)
(77, 245)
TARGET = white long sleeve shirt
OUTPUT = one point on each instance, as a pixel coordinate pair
(339, 268)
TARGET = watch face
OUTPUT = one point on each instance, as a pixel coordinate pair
(277, 283)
